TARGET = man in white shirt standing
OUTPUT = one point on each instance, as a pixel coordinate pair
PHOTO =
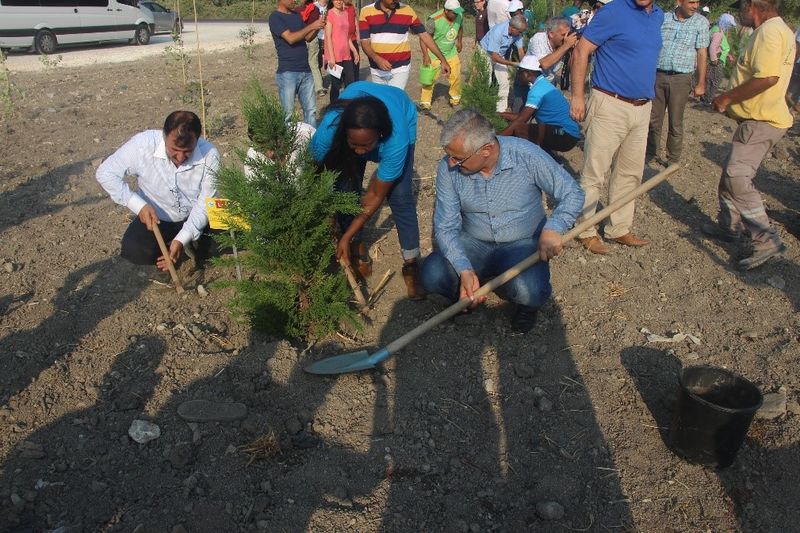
(176, 170)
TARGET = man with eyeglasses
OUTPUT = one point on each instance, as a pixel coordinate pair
(489, 216)
(175, 170)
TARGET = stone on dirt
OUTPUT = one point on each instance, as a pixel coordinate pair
(544, 404)
(31, 450)
(776, 282)
(774, 406)
(8, 266)
(523, 370)
(208, 411)
(549, 510)
(143, 431)
(293, 425)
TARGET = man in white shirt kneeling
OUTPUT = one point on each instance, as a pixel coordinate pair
(176, 170)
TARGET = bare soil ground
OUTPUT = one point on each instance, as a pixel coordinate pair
(468, 429)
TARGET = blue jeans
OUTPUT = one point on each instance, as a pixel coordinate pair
(531, 287)
(301, 85)
(401, 202)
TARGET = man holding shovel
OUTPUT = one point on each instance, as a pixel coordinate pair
(489, 215)
(175, 168)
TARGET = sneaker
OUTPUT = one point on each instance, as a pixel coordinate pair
(760, 257)
(524, 318)
(412, 281)
(425, 106)
(710, 229)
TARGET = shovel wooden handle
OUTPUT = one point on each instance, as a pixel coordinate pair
(351, 279)
(165, 252)
(485, 289)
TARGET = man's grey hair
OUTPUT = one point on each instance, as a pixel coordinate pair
(553, 23)
(469, 126)
(518, 22)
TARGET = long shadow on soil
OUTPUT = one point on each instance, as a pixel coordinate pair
(85, 469)
(30, 199)
(88, 296)
(762, 482)
(195, 474)
(686, 212)
(481, 425)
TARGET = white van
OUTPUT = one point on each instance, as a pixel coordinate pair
(42, 25)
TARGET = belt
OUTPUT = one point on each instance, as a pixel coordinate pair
(671, 72)
(632, 101)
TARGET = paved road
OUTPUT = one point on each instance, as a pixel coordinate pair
(213, 36)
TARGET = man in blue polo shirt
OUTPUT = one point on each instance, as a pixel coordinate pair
(625, 37)
(497, 44)
(554, 129)
(685, 36)
(294, 77)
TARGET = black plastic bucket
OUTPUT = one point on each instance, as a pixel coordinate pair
(714, 411)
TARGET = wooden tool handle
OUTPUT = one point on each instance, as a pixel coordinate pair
(351, 279)
(165, 252)
(485, 289)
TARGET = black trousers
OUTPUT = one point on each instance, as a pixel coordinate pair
(139, 245)
(349, 75)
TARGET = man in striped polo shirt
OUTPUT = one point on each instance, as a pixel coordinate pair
(384, 27)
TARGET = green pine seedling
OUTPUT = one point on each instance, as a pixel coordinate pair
(479, 93)
(283, 217)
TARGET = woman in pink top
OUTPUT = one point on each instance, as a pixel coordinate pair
(339, 48)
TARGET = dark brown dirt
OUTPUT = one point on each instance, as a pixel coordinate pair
(468, 429)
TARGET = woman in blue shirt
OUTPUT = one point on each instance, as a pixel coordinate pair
(372, 122)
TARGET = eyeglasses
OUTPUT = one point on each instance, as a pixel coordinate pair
(458, 162)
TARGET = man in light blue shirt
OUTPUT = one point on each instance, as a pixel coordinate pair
(497, 43)
(489, 215)
(176, 169)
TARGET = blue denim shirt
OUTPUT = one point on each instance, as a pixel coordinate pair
(628, 40)
(506, 206)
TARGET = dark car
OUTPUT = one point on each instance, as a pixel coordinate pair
(165, 19)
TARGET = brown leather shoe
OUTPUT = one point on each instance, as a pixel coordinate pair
(594, 245)
(629, 239)
(360, 259)
(413, 283)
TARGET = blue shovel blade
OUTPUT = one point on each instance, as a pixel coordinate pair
(349, 362)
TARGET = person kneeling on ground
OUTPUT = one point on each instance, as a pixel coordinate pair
(176, 169)
(489, 215)
(372, 122)
(554, 129)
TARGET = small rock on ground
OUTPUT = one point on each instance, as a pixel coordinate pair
(549, 510)
(774, 406)
(143, 431)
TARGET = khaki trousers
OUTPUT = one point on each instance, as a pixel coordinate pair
(672, 94)
(615, 139)
(740, 204)
(313, 63)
